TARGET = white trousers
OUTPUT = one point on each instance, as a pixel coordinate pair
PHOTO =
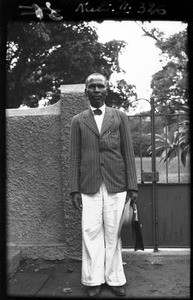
(101, 247)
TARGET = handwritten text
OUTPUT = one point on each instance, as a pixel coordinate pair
(124, 7)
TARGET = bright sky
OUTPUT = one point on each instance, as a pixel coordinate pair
(141, 58)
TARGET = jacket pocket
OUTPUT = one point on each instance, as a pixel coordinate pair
(111, 140)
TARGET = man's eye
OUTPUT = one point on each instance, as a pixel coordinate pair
(96, 86)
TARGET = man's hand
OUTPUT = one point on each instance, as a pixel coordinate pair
(77, 200)
(133, 195)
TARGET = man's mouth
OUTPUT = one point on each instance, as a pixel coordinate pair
(96, 96)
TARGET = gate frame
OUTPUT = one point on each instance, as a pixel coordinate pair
(153, 176)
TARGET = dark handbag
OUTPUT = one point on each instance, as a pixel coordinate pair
(127, 216)
(137, 229)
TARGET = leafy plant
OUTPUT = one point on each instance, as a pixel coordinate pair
(173, 142)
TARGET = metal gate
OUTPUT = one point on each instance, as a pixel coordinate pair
(164, 201)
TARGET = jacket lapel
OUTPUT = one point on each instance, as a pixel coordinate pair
(108, 119)
(90, 121)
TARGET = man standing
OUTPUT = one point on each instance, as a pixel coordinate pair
(102, 178)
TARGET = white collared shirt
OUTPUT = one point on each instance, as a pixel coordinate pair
(99, 118)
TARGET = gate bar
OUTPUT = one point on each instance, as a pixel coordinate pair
(178, 128)
(140, 132)
(154, 205)
(166, 153)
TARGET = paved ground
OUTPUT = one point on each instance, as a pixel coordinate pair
(163, 274)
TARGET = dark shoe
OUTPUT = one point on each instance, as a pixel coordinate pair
(94, 291)
(118, 290)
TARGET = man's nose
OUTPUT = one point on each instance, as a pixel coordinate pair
(96, 88)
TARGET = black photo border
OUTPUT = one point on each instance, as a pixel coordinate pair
(78, 10)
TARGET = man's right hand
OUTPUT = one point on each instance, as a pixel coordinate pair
(77, 200)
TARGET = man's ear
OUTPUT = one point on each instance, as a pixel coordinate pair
(107, 88)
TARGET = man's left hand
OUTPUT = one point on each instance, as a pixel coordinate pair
(133, 195)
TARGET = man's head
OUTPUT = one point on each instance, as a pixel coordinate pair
(96, 89)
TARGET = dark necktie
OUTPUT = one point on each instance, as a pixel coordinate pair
(97, 111)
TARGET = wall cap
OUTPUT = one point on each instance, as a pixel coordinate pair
(72, 88)
(53, 109)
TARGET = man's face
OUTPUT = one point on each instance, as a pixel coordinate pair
(96, 90)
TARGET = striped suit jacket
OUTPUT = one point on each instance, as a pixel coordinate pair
(106, 156)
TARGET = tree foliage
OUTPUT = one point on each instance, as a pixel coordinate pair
(41, 56)
(121, 95)
(170, 91)
(170, 84)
